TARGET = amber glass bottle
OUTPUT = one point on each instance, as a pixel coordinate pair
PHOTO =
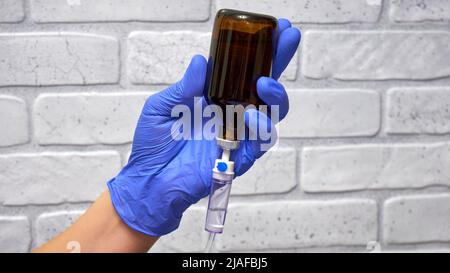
(241, 51)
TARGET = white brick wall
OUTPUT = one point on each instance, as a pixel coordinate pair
(13, 115)
(155, 57)
(419, 11)
(418, 110)
(14, 234)
(119, 10)
(87, 118)
(332, 113)
(277, 165)
(375, 166)
(363, 154)
(50, 224)
(11, 11)
(376, 55)
(55, 177)
(418, 218)
(58, 59)
(291, 224)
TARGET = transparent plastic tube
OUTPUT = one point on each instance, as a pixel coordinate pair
(218, 202)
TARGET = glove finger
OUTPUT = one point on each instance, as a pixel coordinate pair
(261, 137)
(183, 92)
(273, 93)
(283, 24)
(288, 42)
(193, 80)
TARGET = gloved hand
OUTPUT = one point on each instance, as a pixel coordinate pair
(163, 176)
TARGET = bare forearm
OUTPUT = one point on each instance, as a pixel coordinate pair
(100, 229)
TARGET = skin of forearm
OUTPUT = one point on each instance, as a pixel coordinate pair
(99, 229)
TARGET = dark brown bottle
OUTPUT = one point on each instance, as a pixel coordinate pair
(242, 47)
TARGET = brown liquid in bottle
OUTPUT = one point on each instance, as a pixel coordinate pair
(241, 52)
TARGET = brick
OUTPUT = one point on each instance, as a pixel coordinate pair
(162, 57)
(189, 237)
(419, 11)
(13, 120)
(50, 224)
(290, 73)
(374, 166)
(119, 10)
(33, 59)
(87, 118)
(14, 234)
(55, 177)
(417, 219)
(331, 113)
(376, 55)
(418, 110)
(295, 224)
(305, 11)
(11, 11)
(272, 173)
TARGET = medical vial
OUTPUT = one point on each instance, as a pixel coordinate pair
(242, 48)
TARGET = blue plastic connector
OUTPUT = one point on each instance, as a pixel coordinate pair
(222, 166)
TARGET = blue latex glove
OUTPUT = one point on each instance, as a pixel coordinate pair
(163, 176)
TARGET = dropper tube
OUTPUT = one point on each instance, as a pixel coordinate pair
(242, 49)
(222, 178)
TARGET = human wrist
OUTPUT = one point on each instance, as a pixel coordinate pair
(133, 205)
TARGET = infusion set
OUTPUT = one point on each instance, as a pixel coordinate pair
(242, 48)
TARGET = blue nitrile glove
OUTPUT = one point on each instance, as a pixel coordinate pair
(164, 176)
